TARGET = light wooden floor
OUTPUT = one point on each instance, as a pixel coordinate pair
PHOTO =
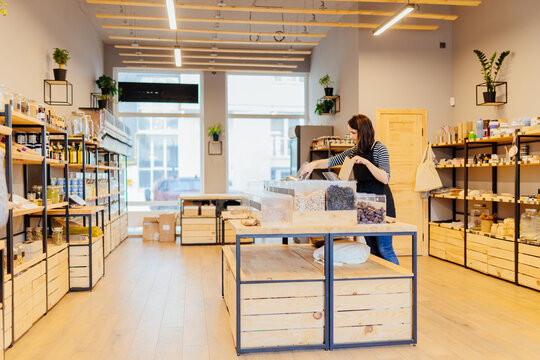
(163, 301)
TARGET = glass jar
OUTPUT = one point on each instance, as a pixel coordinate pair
(29, 234)
(477, 211)
(25, 105)
(39, 192)
(527, 225)
(17, 102)
(38, 234)
(57, 236)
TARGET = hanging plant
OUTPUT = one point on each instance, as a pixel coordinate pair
(3, 7)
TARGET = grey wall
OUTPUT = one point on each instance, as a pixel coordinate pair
(30, 32)
(498, 25)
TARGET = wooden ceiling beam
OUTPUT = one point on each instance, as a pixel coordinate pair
(420, 2)
(217, 50)
(209, 41)
(261, 71)
(217, 57)
(272, 9)
(208, 31)
(266, 22)
(187, 63)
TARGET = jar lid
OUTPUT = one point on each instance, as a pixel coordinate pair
(57, 229)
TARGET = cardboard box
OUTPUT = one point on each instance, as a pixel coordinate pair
(167, 227)
(150, 229)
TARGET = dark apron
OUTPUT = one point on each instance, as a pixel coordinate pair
(367, 183)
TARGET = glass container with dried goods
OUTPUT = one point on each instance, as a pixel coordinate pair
(341, 195)
(57, 236)
(20, 253)
(527, 225)
(30, 234)
(38, 233)
(371, 208)
(309, 195)
(474, 217)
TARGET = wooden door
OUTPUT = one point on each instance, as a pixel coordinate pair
(404, 132)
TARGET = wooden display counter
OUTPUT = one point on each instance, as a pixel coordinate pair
(200, 223)
(529, 266)
(288, 301)
(447, 243)
(291, 313)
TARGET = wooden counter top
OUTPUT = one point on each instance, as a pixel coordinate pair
(210, 196)
(323, 229)
(296, 262)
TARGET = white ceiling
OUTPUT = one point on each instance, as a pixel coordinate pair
(92, 9)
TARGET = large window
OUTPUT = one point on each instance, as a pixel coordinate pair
(261, 110)
(166, 157)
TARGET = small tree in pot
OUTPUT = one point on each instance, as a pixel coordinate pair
(61, 57)
(327, 84)
(214, 132)
(487, 72)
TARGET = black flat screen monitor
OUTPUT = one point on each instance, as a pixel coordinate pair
(152, 92)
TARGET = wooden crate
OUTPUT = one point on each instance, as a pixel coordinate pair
(7, 314)
(29, 298)
(529, 266)
(289, 314)
(57, 277)
(199, 231)
(208, 211)
(367, 308)
(230, 235)
(446, 243)
(280, 314)
(490, 255)
(191, 210)
(79, 264)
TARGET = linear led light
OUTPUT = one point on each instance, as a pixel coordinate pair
(394, 19)
(177, 56)
(171, 13)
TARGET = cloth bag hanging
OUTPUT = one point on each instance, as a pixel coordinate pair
(427, 177)
(4, 212)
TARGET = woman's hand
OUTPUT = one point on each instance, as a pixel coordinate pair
(360, 160)
(307, 169)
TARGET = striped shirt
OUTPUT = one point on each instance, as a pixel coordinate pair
(380, 157)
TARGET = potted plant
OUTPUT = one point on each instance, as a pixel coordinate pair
(324, 107)
(487, 71)
(214, 132)
(327, 84)
(107, 85)
(61, 57)
(102, 100)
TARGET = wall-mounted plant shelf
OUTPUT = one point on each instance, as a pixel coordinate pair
(501, 90)
(48, 92)
(335, 108)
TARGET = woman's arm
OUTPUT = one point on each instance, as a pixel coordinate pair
(317, 164)
(379, 174)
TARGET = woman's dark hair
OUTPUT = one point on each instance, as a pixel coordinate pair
(366, 134)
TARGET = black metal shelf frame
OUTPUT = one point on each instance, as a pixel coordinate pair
(519, 139)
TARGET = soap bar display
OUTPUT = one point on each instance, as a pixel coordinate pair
(340, 195)
(371, 208)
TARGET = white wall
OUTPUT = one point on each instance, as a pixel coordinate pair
(214, 111)
(400, 69)
(30, 32)
(498, 25)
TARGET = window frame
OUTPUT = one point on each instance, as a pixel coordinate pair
(229, 116)
(199, 115)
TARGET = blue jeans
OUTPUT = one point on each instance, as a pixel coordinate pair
(381, 246)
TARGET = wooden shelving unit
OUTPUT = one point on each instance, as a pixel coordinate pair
(51, 266)
(498, 256)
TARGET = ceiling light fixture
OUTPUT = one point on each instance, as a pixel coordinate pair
(177, 56)
(171, 13)
(394, 19)
(221, 3)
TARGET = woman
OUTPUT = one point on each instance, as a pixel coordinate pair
(372, 173)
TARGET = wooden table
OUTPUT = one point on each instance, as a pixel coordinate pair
(328, 232)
